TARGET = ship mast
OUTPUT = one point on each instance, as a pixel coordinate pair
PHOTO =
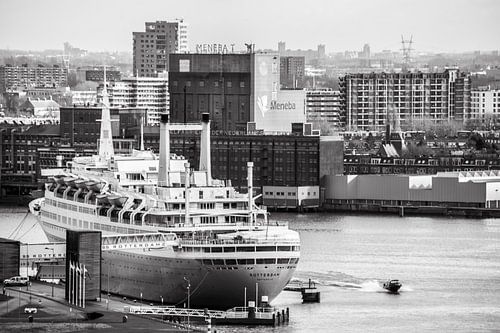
(106, 150)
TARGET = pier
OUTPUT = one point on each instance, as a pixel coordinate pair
(250, 315)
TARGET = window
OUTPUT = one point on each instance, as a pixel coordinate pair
(229, 84)
(242, 84)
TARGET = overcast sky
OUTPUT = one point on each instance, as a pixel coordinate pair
(436, 25)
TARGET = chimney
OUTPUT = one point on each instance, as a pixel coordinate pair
(205, 161)
(164, 168)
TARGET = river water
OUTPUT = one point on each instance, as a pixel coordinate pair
(449, 267)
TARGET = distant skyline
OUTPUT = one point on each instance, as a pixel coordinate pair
(107, 25)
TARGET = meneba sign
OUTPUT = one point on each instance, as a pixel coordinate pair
(282, 105)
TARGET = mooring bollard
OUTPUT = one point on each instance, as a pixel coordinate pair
(124, 319)
(209, 324)
(30, 319)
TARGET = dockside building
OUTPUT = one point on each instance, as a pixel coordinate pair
(428, 193)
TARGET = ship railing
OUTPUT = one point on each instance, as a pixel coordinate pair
(173, 311)
(237, 241)
(242, 312)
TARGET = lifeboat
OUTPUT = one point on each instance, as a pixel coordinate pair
(59, 179)
(117, 200)
(102, 199)
(80, 183)
(69, 181)
(93, 186)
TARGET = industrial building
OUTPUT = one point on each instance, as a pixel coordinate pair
(153, 47)
(412, 97)
(23, 77)
(40, 108)
(240, 91)
(429, 193)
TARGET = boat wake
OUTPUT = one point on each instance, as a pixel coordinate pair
(344, 281)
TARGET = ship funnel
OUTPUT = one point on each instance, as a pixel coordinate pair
(205, 159)
(164, 168)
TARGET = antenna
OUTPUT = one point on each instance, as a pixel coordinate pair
(406, 48)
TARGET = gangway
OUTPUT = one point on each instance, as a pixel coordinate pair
(173, 311)
(139, 241)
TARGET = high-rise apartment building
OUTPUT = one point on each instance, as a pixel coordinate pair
(412, 97)
(292, 71)
(22, 77)
(324, 106)
(146, 93)
(485, 105)
(152, 47)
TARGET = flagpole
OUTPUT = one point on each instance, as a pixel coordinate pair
(83, 292)
(69, 281)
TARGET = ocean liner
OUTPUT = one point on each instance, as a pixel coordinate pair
(221, 247)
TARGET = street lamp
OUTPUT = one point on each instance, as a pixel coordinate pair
(188, 288)
(161, 300)
(53, 256)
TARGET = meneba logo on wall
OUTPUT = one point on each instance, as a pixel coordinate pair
(282, 106)
(264, 106)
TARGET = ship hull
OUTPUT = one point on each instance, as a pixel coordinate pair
(154, 274)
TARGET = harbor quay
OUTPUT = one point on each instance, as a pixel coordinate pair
(33, 308)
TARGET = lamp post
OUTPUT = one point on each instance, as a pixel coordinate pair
(107, 305)
(161, 300)
(188, 291)
(53, 256)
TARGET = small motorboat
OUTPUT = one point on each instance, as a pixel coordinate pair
(392, 285)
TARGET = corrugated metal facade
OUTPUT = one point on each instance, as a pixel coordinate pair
(441, 188)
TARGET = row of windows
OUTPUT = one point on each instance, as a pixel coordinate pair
(263, 261)
(231, 249)
(229, 84)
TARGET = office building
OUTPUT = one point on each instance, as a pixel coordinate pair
(236, 89)
(412, 97)
(146, 93)
(152, 47)
(485, 105)
(324, 106)
(23, 77)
